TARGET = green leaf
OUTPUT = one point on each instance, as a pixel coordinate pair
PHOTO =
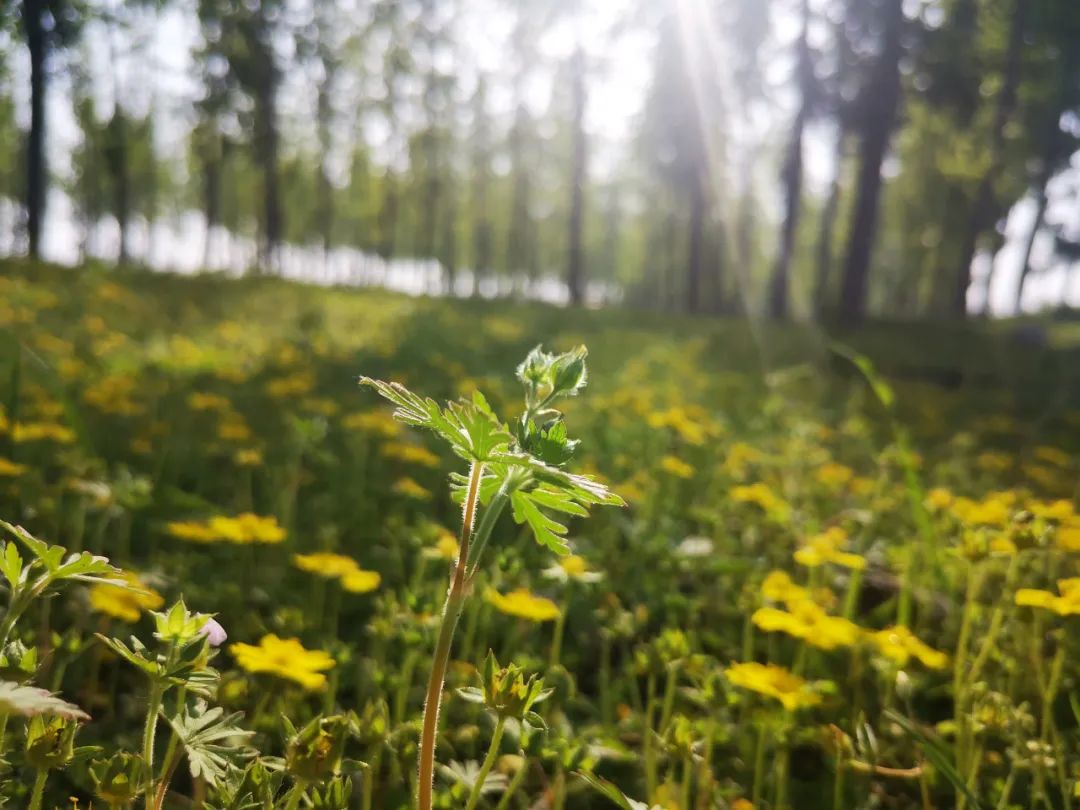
(936, 751)
(606, 788)
(211, 741)
(547, 532)
(470, 428)
(11, 564)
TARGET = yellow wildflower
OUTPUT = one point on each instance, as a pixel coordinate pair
(1067, 604)
(899, 644)
(126, 604)
(1052, 455)
(994, 461)
(10, 469)
(248, 528)
(233, 428)
(762, 495)
(248, 457)
(294, 385)
(379, 423)
(572, 567)
(410, 489)
(833, 475)
(199, 401)
(807, 621)
(1068, 537)
(739, 457)
(445, 548)
(523, 604)
(361, 581)
(939, 498)
(993, 510)
(779, 587)
(673, 465)
(326, 564)
(775, 682)
(411, 454)
(284, 658)
(825, 548)
(1060, 510)
(192, 531)
(42, 431)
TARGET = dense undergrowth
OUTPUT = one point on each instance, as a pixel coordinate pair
(831, 586)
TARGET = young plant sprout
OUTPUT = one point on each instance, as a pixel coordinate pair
(520, 464)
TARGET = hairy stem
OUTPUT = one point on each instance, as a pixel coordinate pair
(489, 762)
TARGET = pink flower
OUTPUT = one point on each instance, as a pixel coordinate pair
(214, 633)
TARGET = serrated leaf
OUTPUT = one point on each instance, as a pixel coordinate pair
(11, 564)
(547, 532)
(210, 738)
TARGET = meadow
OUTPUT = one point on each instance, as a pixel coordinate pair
(832, 571)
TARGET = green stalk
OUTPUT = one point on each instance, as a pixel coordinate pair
(515, 783)
(149, 730)
(489, 762)
(455, 600)
(39, 789)
(759, 767)
(295, 795)
(371, 776)
(647, 743)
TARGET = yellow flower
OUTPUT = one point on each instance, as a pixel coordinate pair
(446, 547)
(41, 431)
(523, 604)
(739, 457)
(243, 529)
(807, 621)
(284, 658)
(993, 510)
(192, 531)
(361, 581)
(572, 567)
(1052, 455)
(825, 548)
(379, 423)
(939, 498)
(410, 489)
(1060, 510)
(126, 604)
(248, 458)
(10, 469)
(677, 467)
(295, 385)
(247, 528)
(1068, 537)
(412, 454)
(994, 461)
(779, 587)
(762, 495)
(1067, 604)
(775, 682)
(199, 401)
(899, 644)
(834, 475)
(326, 564)
(233, 428)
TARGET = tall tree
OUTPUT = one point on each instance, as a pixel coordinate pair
(575, 275)
(792, 173)
(986, 207)
(876, 120)
(46, 26)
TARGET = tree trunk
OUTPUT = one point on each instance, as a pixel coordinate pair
(792, 176)
(874, 142)
(985, 208)
(268, 146)
(575, 276)
(826, 228)
(116, 159)
(36, 172)
(694, 258)
(1042, 198)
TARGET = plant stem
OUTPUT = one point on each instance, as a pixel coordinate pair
(149, 730)
(759, 767)
(560, 629)
(39, 788)
(647, 742)
(370, 777)
(489, 762)
(292, 801)
(515, 783)
(455, 599)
